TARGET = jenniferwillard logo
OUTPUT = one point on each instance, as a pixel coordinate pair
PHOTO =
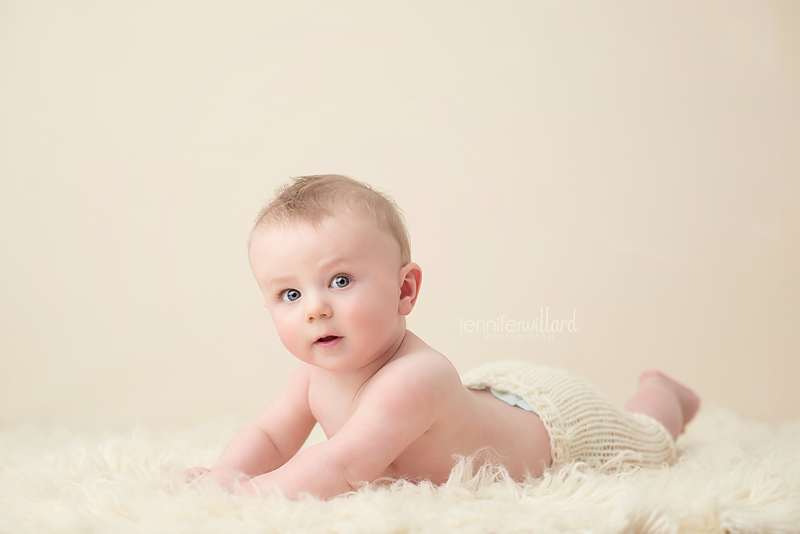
(536, 328)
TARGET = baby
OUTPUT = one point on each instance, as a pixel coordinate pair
(332, 259)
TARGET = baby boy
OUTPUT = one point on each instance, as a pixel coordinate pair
(332, 259)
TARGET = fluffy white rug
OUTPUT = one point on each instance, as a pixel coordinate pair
(733, 476)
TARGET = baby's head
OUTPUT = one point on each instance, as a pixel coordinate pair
(331, 256)
(312, 199)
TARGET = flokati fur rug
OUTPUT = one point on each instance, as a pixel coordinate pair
(733, 476)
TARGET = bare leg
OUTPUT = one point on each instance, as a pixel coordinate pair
(665, 400)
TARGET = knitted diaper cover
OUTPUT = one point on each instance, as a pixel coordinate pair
(583, 424)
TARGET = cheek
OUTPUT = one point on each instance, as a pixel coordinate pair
(287, 330)
(377, 311)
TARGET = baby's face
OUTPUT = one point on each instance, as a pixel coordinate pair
(333, 292)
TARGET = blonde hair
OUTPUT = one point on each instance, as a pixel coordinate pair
(314, 198)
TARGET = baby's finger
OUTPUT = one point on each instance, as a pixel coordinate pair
(194, 472)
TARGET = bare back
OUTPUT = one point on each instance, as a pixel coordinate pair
(463, 422)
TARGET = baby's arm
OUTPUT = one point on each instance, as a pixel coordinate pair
(269, 439)
(394, 412)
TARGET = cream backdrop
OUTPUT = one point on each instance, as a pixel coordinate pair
(633, 165)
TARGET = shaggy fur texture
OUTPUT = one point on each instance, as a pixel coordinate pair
(733, 476)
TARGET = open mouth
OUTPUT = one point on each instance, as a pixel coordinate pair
(327, 339)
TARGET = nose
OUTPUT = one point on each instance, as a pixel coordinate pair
(317, 307)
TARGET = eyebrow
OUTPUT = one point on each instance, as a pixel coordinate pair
(336, 260)
(285, 280)
(280, 281)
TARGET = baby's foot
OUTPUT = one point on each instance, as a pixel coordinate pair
(688, 400)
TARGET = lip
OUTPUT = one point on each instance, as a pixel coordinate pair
(327, 341)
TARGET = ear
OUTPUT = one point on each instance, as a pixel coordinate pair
(410, 281)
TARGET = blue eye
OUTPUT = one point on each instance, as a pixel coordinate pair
(290, 295)
(340, 281)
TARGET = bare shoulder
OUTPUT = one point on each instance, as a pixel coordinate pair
(420, 373)
(291, 401)
(298, 383)
(300, 377)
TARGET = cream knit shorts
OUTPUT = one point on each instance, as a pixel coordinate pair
(583, 424)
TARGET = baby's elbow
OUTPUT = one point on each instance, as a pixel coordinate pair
(347, 468)
(259, 486)
(353, 484)
(356, 475)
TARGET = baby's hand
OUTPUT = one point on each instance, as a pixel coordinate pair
(191, 474)
(188, 475)
(227, 479)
